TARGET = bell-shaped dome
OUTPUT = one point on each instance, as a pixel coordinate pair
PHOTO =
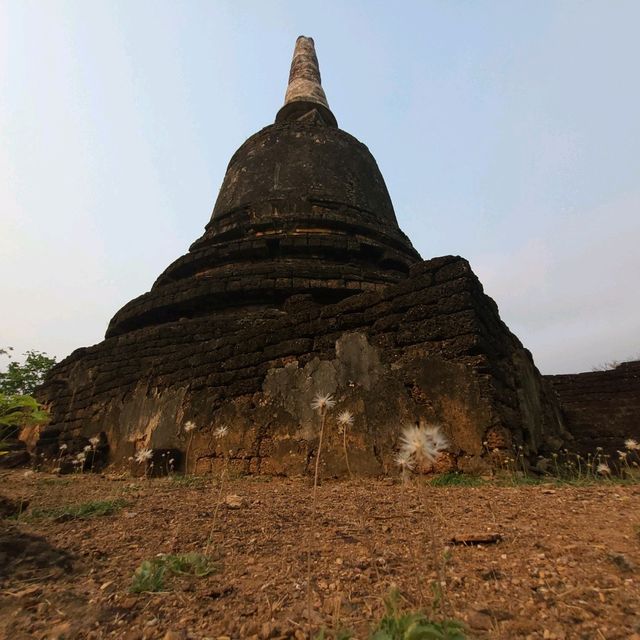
(303, 209)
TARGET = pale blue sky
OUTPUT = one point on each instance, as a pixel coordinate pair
(507, 132)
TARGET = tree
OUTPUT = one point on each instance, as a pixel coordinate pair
(15, 411)
(22, 379)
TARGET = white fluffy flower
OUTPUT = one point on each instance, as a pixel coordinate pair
(422, 444)
(404, 460)
(438, 440)
(95, 441)
(189, 426)
(63, 447)
(322, 402)
(415, 445)
(143, 455)
(220, 432)
(345, 418)
(603, 469)
(631, 444)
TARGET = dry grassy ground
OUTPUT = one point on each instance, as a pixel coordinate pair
(566, 567)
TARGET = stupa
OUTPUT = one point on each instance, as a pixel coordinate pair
(303, 283)
(303, 209)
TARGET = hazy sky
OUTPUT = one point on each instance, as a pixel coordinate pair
(507, 132)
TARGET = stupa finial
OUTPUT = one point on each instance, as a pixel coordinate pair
(305, 98)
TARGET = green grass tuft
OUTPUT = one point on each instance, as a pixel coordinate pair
(150, 575)
(456, 480)
(195, 482)
(520, 480)
(396, 625)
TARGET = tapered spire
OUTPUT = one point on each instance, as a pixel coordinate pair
(305, 99)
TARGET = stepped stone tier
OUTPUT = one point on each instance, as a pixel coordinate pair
(303, 283)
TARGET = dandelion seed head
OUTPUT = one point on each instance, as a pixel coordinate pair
(221, 432)
(63, 447)
(143, 455)
(631, 445)
(438, 440)
(345, 418)
(323, 402)
(189, 426)
(404, 461)
(603, 469)
(422, 444)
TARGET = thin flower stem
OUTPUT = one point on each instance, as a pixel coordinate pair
(217, 508)
(323, 412)
(344, 446)
(186, 455)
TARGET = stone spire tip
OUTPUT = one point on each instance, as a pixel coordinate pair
(305, 99)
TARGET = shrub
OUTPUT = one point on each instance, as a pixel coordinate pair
(16, 411)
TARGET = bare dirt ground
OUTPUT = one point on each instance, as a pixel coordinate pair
(567, 565)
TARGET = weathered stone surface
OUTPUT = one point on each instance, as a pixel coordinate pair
(601, 408)
(430, 349)
(302, 210)
(305, 97)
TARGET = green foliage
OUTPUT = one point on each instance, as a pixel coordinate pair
(16, 411)
(396, 625)
(150, 575)
(23, 379)
(80, 511)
